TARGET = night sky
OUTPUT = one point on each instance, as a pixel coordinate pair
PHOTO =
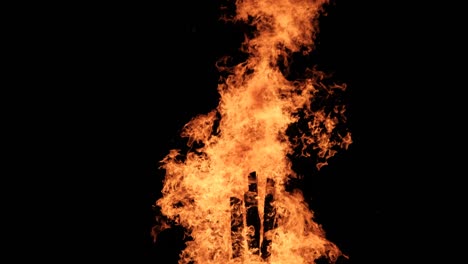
(156, 70)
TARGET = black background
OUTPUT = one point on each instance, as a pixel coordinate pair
(130, 75)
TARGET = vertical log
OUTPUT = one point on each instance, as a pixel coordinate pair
(252, 216)
(269, 217)
(237, 225)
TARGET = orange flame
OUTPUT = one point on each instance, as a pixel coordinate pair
(228, 190)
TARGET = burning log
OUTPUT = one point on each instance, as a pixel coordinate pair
(237, 225)
(252, 216)
(269, 217)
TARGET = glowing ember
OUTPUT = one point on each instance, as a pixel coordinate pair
(229, 189)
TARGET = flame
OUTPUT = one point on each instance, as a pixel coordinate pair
(228, 189)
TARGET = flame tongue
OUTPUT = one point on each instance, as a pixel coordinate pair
(228, 189)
